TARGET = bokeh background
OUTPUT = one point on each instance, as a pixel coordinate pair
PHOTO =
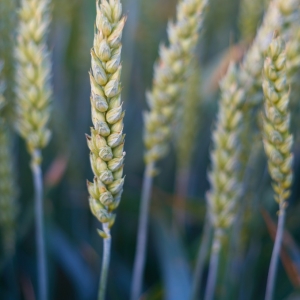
(74, 248)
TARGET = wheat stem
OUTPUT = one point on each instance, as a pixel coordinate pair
(40, 243)
(275, 254)
(105, 262)
(139, 262)
(202, 253)
(213, 266)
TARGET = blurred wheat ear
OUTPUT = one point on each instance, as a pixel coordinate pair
(169, 74)
(224, 175)
(106, 142)
(277, 140)
(33, 93)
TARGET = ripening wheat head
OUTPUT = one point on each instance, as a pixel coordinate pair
(33, 89)
(277, 139)
(107, 140)
(224, 174)
(169, 73)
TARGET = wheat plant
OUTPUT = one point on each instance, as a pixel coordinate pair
(33, 93)
(169, 74)
(277, 140)
(106, 142)
(224, 175)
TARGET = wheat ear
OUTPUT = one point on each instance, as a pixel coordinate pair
(33, 94)
(224, 175)
(169, 74)
(277, 140)
(106, 142)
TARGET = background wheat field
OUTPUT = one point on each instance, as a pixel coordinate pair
(73, 246)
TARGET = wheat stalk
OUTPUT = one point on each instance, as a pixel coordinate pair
(277, 140)
(169, 74)
(224, 175)
(33, 94)
(106, 142)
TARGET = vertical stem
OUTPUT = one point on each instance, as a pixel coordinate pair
(140, 254)
(105, 262)
(39, 223)
(275, 254)
(213, 266)
(202, 253)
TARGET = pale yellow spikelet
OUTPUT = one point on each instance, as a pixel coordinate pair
(169, 74)
(106, 142)
(33, 89)
(224, 175)
(277, 139)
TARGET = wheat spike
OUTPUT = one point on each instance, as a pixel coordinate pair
(223, 177)
(277, 138)
(33, 69)
(278, 141)
(169, 73)
(107, 140)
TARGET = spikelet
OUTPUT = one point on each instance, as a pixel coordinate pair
(224, 175)
(8, 205)
(33, 89)
(106, 142)
(169, 74)
(277, 139)
(250, 14)
(280, 15)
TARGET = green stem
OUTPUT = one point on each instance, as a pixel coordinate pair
(213, 266)
(275, 253)
(140, 254)
(39, 223)
(105, 262)
(202, 253)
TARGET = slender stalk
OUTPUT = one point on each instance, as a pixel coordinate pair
(202, 253)
(39, 223)
(213, 266)
(275, 254)
(140, 254)
(105, 262)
